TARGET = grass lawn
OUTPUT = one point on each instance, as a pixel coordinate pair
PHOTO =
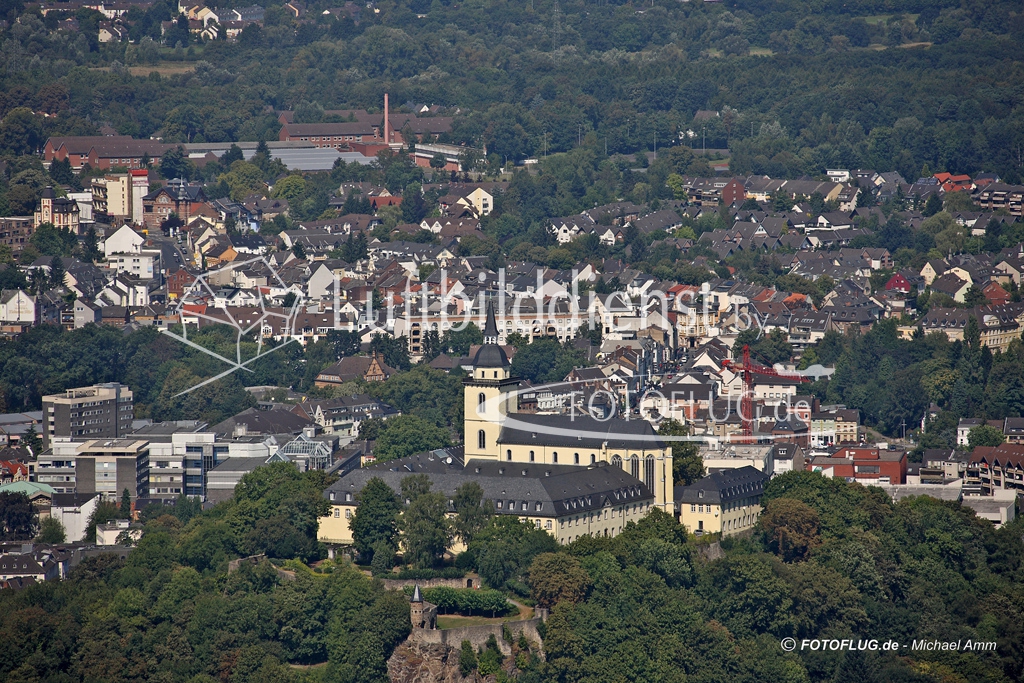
(456, 621)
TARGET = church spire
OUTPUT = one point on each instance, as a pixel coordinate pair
(491, 327)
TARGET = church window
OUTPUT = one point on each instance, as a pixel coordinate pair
(649, 472)
(531, 456)
(576, 458)
(481, 440)
(481, 399)
(593, 458)
(508, 454)
(554, 456)
(634, 466)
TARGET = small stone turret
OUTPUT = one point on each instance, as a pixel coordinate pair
(416, 608)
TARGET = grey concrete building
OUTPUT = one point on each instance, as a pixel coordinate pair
(102, 411)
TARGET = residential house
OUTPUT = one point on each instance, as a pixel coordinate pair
(369, 368)
(61, 212)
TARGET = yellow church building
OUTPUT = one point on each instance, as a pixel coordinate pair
(568, 474)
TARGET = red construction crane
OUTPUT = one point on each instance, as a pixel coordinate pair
(748, 369)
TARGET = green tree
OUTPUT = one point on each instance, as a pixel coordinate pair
(472, 512)
(245, 178)
(53, 241)
(394, 351)
(90, 246)
(984, 435)
(104, 512)
(51, 531)
(491, 658)
(175, 164)
(504, 550)
(21, 132)
(408, 434)
(32, 441)
(467, 659)
(16, 517)
(557, 577)
(126, 504)
(974, 296)
(292, 188)
(375, 520)
(954, 202)
(426, 532)
(791, 528)
(687, 465)
(457, 342)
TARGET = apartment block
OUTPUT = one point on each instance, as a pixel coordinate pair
(96, 412)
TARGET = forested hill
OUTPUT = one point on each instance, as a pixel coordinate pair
(794, 87)
(829, 560)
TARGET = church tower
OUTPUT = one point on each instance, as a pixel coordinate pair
(488, 395)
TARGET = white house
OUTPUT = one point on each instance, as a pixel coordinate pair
(137, 264)
(17, 307)
(73, 511)
(123, 241)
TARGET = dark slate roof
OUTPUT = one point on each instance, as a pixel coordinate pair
(71, 500)
(263, 422)
(490, 356)
(724, 486)
(558, 489)
(580, 432)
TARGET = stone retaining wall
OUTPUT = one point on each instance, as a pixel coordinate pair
(478, 635)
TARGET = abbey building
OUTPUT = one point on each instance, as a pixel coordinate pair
(568, 474)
